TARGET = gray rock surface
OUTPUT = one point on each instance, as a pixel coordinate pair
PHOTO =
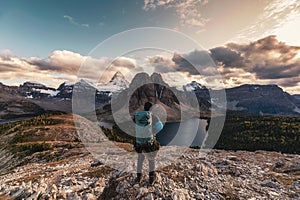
(217, 175)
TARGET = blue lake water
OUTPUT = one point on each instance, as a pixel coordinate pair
(188, 133)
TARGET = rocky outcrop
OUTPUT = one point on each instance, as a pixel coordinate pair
(36, 90)
(152, 89)
(219, 175)
(144, 88)
(196, 175)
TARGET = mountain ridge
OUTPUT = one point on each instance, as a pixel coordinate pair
(248, 98)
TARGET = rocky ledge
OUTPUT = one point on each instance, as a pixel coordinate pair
(217, 175)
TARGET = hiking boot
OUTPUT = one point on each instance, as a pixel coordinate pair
(138, 178)
(152, 178)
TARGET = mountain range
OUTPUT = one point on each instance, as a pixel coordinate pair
(32, 98)
(44, 157)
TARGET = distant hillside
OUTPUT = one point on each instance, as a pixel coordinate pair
(262, 100)
(42, 138)
(13, 106)
(297, 96)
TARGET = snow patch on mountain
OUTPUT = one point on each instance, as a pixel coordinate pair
(194, 85)
(51, 93)
(117, 83)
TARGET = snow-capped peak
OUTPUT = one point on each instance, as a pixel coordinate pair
(118, 75)
(119, 80)
(194, 85)
(117, 83)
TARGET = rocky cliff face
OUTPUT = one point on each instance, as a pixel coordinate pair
(35, 90)
(144, 88)
(152, 88)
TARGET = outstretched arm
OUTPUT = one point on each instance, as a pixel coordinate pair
(157, 125)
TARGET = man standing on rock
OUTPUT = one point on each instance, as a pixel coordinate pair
(146, 124)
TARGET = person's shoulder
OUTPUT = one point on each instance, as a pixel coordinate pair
(139, 112)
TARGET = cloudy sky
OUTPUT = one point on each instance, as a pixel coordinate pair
(251, 41)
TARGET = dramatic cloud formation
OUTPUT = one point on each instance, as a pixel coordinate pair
(193, 63)
(72, 21)
(267, 58)
(227, 57)
(265, 61)
(187, 10)
(180, 69)
(61, 66)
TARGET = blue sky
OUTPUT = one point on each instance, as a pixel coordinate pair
(36, 28)
(47, 40)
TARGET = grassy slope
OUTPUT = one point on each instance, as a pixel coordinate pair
(43, 138)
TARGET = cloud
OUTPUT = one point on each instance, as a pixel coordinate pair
(290, 82)
(275, 15)
(68, 62)
(265, 61)
(62, 65)
(72, 21)
(268, 58)
(124, 62)
(194, 63)
(16, 68)
(5, 54)
(161, 63)
(59, 61)
(127, 66)
(187, 10)
(227, 57)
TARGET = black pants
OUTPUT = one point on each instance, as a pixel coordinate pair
(141, 159)
(148, 150)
